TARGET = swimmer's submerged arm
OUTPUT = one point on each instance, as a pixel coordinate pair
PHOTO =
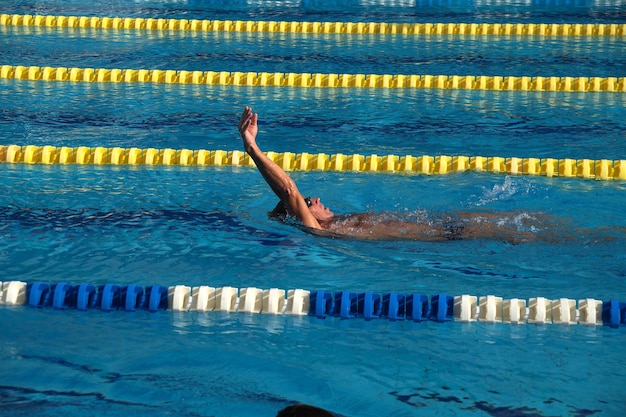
(278, 180)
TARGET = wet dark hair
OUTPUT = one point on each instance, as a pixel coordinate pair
(279, 212)
(303, 410)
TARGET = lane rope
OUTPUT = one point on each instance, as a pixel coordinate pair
(299, 302)
(339, 28)
(602, 169)
(315, 80)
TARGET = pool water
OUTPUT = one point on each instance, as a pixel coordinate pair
(208, 226)
(301, 52)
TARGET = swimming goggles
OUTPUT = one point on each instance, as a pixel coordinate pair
(308, 201)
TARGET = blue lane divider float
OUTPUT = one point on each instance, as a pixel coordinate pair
(322, 304)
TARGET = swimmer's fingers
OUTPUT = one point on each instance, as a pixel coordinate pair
(248, 128)
(245, 119)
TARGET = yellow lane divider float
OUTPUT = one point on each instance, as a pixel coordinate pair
(603, 169)
(367, 28)
(279, 79)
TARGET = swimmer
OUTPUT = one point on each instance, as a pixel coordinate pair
(304, 410)
(319, 219)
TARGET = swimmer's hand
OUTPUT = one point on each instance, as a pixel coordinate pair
(248, 128)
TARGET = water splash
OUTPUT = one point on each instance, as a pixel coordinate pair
(508, 190)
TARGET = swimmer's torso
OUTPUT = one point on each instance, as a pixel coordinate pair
(513, 227)
(381, 226)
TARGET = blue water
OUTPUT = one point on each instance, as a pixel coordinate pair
(172, 226)
(466, 11)
(208, 226)
(286, 52)
(431, 122)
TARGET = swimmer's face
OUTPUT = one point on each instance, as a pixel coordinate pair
(317, 209)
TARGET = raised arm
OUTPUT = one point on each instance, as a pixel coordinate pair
(282, 185)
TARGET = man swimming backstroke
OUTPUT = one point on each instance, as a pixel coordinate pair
(318, 219)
